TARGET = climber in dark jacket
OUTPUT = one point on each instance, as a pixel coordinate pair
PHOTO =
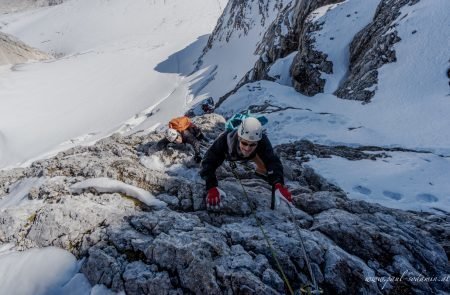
(245, 143)
(192, 135)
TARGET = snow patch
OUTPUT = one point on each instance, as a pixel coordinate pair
(44, 271)
(407, 181)
(280, 70)
(18, 193)
(107, 185)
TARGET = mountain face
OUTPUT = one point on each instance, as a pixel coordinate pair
(183, 248)
(293, 31)
(288, 33)
(13, 51)
(132, 246)
(239, 17)
(370, 49)
(239, 29)
(7, 6)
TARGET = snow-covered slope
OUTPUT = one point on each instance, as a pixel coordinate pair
(230, 52)
(409, 109)
(124, 66)
(114, 71)
(410, 100)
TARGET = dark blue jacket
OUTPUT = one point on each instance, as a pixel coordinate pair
(226, 147)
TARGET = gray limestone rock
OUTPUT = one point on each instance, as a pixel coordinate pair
(140, 278)
(185, 248)
(9, 177)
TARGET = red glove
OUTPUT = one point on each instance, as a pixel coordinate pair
(213, 198)
(283, 191)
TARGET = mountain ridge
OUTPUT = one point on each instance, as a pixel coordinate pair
(87, 199)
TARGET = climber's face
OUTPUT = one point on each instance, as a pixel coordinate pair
(179, 139)
(247, 147)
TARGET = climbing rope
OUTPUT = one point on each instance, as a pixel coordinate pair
(316, 289)
(297, 229)
(259, 223)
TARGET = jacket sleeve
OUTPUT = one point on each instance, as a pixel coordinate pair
(213, 158)
(196, 132)
(271, 160)
(189, 138)
(162, 144)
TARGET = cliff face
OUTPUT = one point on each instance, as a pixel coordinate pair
(7, 6)
(230, 50)
(288, 33)
(138, 248)
(13, 51)
(94, 200)
(239, 17)
(370, 49)
(294, 31)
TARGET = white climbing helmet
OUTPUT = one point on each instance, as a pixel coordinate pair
(250, 129)
(171, 134)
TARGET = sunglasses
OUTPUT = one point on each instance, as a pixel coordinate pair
(244, 143)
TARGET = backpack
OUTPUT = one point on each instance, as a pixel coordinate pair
(237, 119)
(180, 123)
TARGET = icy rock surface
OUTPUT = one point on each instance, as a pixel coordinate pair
(185, 249)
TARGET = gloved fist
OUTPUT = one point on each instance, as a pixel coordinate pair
(213, 198)
(283, 192)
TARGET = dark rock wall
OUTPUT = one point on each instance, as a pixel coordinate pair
(291, 31)
(238, 17)
(371, 48)
(278, 42)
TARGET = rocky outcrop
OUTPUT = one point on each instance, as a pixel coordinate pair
(239, 17)
(240, 27)
(306, 148)
(293, 31)
(289, 33)
(13, 51)
(184, 249)
(371, 48)
(8, 177)
(7, 6)
(309, 63)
